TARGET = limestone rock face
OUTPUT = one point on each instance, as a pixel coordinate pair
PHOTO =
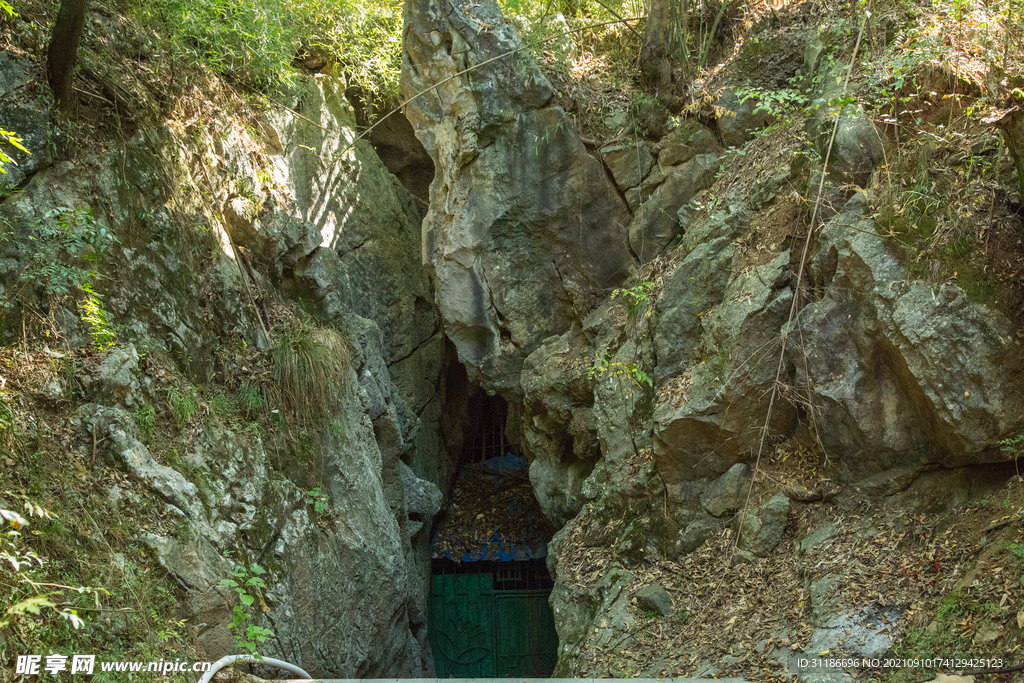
(524, 231)
(904, 374)
(309, 216)
(654, 598)
(696, 285)
(728, 492)
(686, 142)
(696, 435)
(350, 587)
(629, 163)
(559, 435)
(655, 223)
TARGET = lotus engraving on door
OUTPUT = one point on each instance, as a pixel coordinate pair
(462, 643)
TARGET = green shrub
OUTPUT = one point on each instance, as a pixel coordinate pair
(258, 42)
(220, 405)
(247, 583)
(250, 397)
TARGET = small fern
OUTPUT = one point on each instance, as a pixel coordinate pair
(92, 313)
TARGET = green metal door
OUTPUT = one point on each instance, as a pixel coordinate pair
(462, 625)
(479, 632)
(527, 642)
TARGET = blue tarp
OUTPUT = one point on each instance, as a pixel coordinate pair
(506, 463)
(502, 551)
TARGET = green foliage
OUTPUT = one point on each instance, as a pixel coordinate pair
(637, 298)
(776, 102)
(184, 404)
(796, 99)
(8, 422)
(10, 137)
(247, 582)
(887, 75)
(363, 36)
(1017, 549)
(1013, 445)
(145, 417)
(318, 499)
(16, 562)
(310, 365)
(57, 251)
(92, 313)
(174, 630)
(247, 40)
(948, 638)
(631, 373)
(220, 405)
(259, 42)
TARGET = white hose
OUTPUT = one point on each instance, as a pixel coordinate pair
(231, 659)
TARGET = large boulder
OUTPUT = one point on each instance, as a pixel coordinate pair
(739, 117)
(903, 374)
(856, 146)
(760, 530)
(525, 231)
(685, 142)
(728, 493)
(629, 163)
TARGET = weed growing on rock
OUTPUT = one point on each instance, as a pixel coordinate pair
(247, 582)
(220, 405)
(637, 298)
(184, 404)
(93, 314)
(318, 499)
(249, 397)
(309, 368)
(145, 417)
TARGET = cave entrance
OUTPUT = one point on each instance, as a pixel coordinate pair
(489, 587)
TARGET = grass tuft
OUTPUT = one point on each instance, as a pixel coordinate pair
(145, 417)
(184, 403)
(309, 369)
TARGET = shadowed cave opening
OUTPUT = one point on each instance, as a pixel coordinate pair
(489, 587)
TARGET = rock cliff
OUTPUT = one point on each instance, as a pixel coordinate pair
(216, 233)
(645, 402)
(525, 232)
